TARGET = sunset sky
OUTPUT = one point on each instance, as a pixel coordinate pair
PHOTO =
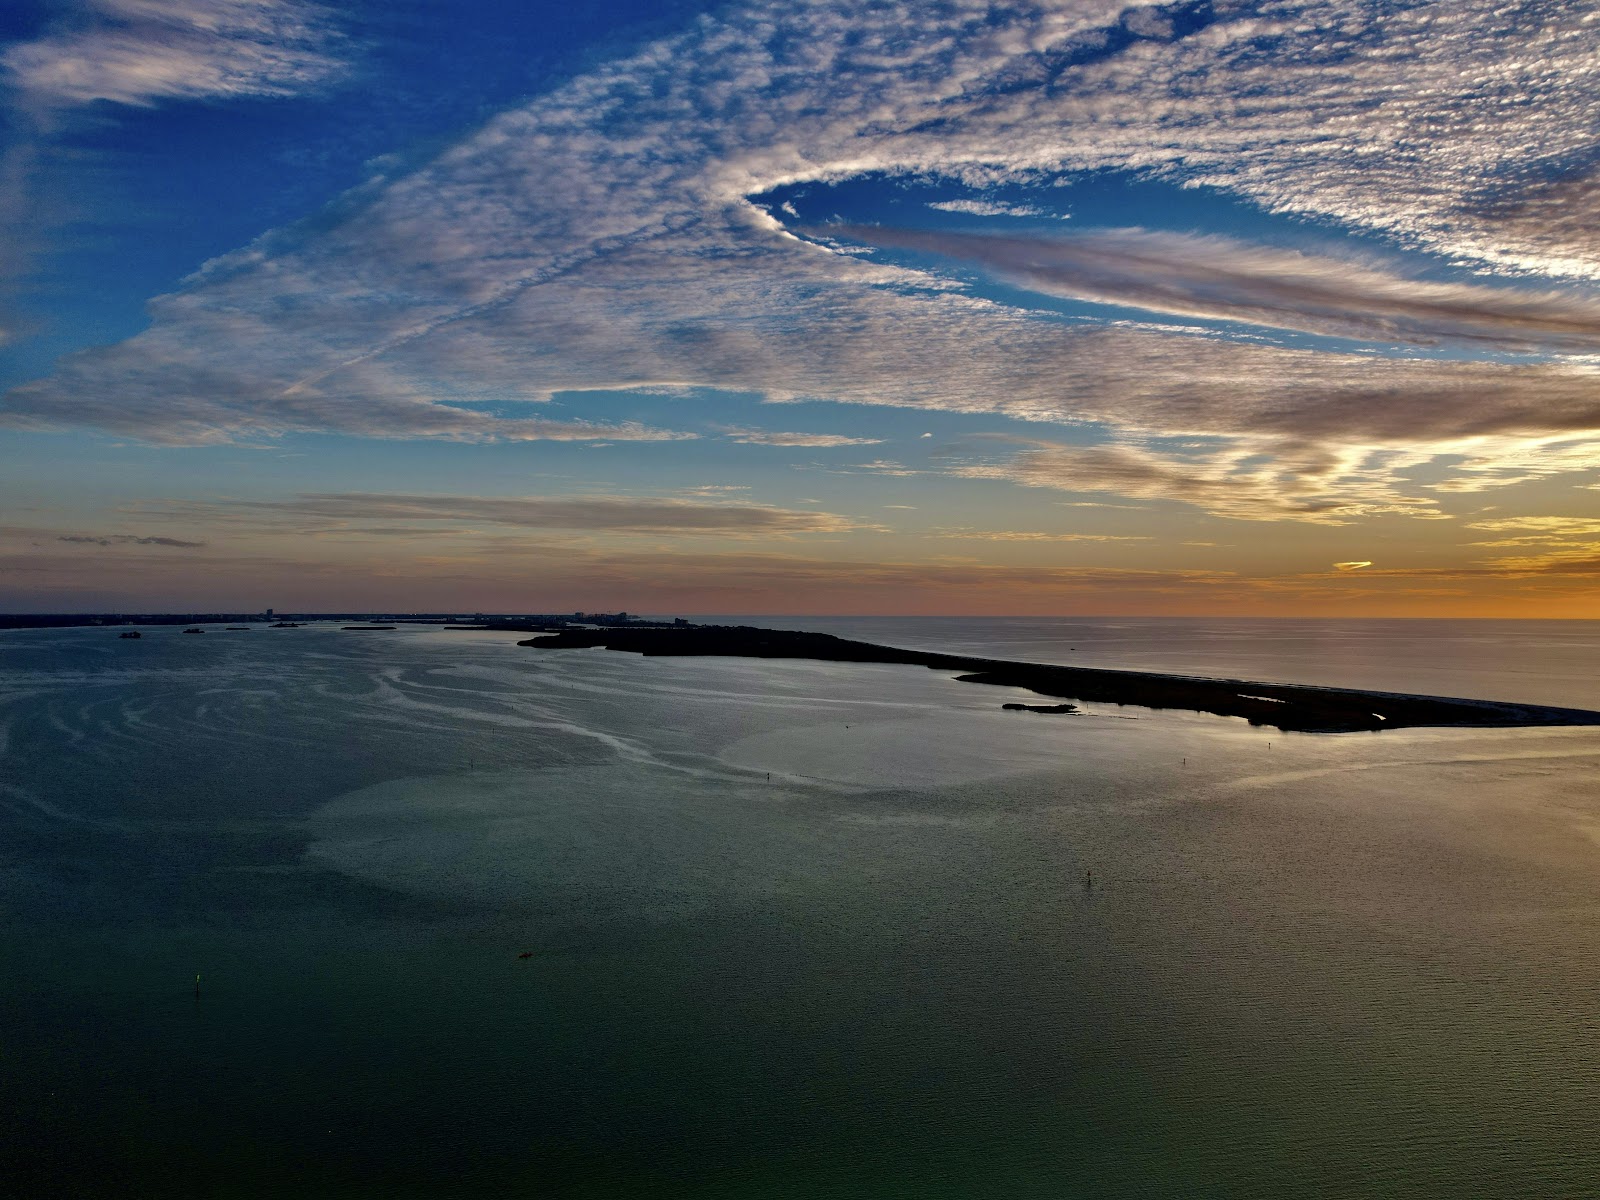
(820, 306)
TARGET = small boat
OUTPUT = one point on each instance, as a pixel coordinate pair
(194, 629)
(132, 633)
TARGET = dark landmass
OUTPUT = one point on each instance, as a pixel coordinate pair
(1290, 707)
(504, 622)
(1042, 708)
(505, 626)
(553, 624)
(77, 620)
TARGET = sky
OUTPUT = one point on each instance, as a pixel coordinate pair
(820, 306)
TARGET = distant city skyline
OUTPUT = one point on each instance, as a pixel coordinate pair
(1034, 307)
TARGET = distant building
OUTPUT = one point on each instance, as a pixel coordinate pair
(269, 614)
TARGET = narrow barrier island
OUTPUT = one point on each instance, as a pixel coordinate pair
(1290, 707)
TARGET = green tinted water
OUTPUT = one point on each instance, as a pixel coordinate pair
(1332, 967)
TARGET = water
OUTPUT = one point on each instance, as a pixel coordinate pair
(1309, 965)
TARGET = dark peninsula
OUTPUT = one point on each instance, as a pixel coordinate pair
(1290, 707)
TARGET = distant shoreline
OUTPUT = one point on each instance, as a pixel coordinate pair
(1293, 708)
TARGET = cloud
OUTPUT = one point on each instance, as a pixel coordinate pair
(989, 208)
(1223, 477)
(1579, 561)
(127, 539)
(602, 236)
(134, 54)
(1564, 533)
(1219, 278)
(1017, 535)
(203, 411)
(1552, 526)
(594, 514)
(758, 437)
(138, 52)
(1492, 462)
(885, 466)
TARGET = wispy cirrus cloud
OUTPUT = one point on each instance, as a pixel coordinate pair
(1579, 561)
(139, 52)
(595, 514)
(1274, 475)
(1224, 477)
(127, 539)
(1554, 527)
(1022, 535)
(185, 418)
(761, 437)
(1559, 541)
(989, 208)
(133, 54)
(602, 236)
(1224, 279)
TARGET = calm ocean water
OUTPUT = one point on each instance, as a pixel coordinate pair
(794, 929)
